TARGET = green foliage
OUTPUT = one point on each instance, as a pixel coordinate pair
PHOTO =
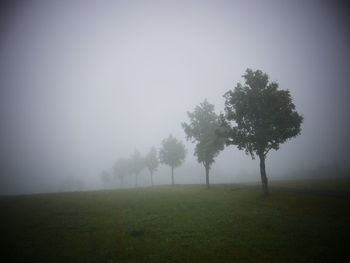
(173, 152)
(264, 116)
(204, 123)
(151, 160)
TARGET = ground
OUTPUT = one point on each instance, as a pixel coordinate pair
(228, 223)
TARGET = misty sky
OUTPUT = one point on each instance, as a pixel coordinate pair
(83, 83)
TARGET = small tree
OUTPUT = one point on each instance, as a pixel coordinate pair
(172, 153)
(152, 162)
(136, 164)
(202, 129)
(263, 117)
(121, 169)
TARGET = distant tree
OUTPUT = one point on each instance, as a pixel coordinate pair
(152, 162)
(121, 169)
(259, 117)
(136, 164)
(202, 130)
(105, 178)
(172, 153)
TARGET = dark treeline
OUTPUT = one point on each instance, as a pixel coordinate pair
(257, 118)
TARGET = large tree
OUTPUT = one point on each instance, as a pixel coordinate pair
(172, 153)
(259, 117)
(152, 162)
(202, 130)
(136, 164)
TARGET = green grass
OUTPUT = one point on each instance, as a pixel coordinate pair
(338, 184)
(175, 224)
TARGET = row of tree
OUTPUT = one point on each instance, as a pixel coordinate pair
(172, 153)
(257, 118)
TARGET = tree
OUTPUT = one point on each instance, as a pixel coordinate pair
(263, 117)
(172, 153)
(202, 129)
(136, 164)
(152, 162)
(121, 169)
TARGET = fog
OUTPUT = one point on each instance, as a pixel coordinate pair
(83, 83)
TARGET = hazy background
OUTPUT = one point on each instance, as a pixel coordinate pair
(83, 83)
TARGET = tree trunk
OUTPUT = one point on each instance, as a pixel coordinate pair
(207, 175)
(263, 174)
(152, 178)
(172, 175)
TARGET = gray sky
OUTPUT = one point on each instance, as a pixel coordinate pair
(86, 82)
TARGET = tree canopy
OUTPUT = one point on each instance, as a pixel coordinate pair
(204, 123)
(264, 116)
(151, 160)
(172, 153)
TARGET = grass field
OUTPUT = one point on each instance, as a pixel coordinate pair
(175, 224)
